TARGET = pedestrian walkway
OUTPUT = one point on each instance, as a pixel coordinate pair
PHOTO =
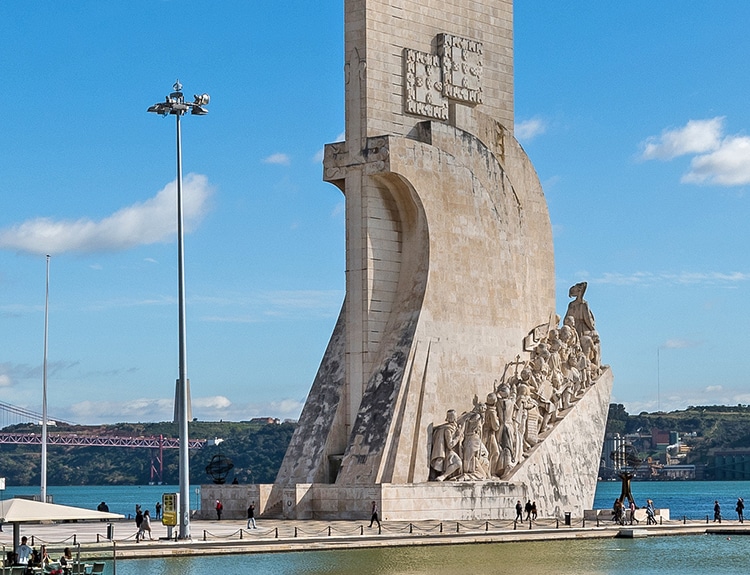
(274, 535)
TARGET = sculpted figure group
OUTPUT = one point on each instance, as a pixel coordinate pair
(530, 397)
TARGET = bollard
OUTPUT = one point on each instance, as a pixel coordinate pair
(379, 530)
(75, 541)
(557, 523)
(441, 527)
(706, 518)
(661, 520)
(457, 527)
(583, 523)
(97, 538)
(410, 529)
(529, 523)
(597, 521)
(295, 531)
(329, 531)
(487, 526)
(241, 531)
(361, 529)
(204, 535)
(684, 520)
(515, 524)
(276, 533)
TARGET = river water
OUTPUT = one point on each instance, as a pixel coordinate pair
(683, 555)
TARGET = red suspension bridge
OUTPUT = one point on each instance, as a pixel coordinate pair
(157, 444)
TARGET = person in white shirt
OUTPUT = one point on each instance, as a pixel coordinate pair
(23, 552)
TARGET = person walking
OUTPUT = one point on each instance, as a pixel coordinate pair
(717, 512)
(146, 525)
(374, 517)
(138, 523)
(740, 509)
(251, 515)
(519, 511)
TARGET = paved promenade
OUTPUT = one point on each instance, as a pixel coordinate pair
(232, 536)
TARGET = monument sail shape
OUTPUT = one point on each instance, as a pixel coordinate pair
(449, 266)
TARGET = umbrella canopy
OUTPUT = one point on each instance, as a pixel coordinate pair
(17, 511)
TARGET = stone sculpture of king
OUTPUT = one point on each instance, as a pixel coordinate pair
(450, 388)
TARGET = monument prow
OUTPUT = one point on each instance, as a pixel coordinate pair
(449, 266)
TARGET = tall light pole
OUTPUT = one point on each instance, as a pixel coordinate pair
(43, 470)
(175, 105)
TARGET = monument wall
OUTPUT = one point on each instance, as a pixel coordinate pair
(449, 265)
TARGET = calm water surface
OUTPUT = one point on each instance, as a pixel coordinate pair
(689, 555)
(704, 555)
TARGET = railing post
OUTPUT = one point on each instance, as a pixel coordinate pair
(529, 523)
(329, 531)
(557, 523)
(75, 541)
(204, 535)
(361, 529)
(441, 527)
(241, 530)
(411, 530)
(295, 531)
(380, 530)
(486, 525)
(457, 527)
(684, 520)
(276, 533)
(515, 524)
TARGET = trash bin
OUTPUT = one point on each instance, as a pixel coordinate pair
(110, 531)
(567, 518)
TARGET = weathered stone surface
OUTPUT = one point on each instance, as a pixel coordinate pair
(449, 264)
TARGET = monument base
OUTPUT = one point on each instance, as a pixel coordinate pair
(559, 474)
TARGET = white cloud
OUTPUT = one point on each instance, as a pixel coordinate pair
(215, 402)
(679, 344)
(152, 221)
(673, 278)
(530, 129)
(5, 380)
(696, 137)
(280, 159)
(718, 159)
(729, 165)
(713, 389)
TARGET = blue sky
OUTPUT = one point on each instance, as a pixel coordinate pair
(634, 114)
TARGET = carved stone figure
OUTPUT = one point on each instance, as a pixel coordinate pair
(579, 310)
(496, 436)
(475, 459)
(444, 459)
(490, 430)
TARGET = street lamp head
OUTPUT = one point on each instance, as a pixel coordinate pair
(176, 105)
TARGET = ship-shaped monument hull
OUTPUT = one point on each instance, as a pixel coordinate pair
(450, 389)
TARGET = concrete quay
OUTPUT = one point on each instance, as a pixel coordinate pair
(274, 536)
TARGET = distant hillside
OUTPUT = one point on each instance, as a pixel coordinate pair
(255, 449)
(702, 428)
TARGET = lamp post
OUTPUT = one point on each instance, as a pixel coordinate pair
(43, 470)
(175, 105)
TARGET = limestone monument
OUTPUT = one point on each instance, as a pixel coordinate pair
(449, 388)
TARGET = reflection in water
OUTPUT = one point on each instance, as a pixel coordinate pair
(697, 554)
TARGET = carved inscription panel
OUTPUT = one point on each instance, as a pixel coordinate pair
(424, 89)
(454, 73)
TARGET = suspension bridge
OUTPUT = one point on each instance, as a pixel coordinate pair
(14, 415)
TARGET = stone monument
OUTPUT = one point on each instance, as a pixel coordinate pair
(449, 305)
